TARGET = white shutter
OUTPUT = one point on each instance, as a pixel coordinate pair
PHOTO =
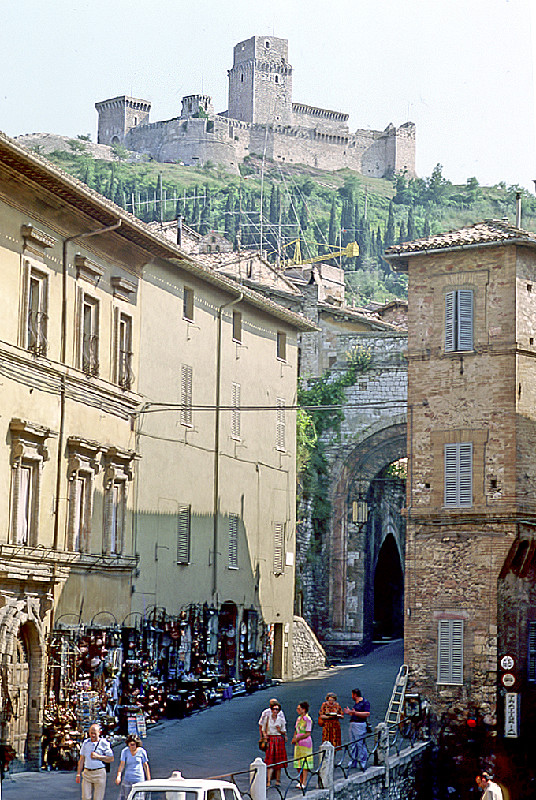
(450, 341)
(183, 535)
(465, 319)
(115, 346)
(186, 395)
(235, 414)
(280, 424)
(450, 651)
(459, 475)
(451, 475)
(24, 505)
(465, 474)
(233, 540)
(279, 529)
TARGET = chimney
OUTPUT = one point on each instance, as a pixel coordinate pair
(518, 209)
(179, 230)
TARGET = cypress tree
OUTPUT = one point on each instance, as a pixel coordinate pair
(304, 216)
(333, 228)
(411, 224)
(426, 229)
(401, 233)
(390, 231)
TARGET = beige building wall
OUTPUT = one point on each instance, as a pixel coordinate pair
(255, 469)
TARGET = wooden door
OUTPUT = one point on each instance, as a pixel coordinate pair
(18, 691)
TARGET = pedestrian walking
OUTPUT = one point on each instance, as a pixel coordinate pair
(303, 743)
(273, 729)
(95, 753)
(329, 718)
(133, 766)
(492, 791)
(359, 714)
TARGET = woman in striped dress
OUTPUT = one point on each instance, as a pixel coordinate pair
(303, 743)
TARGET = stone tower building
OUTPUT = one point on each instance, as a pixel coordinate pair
(118, 115)
(470, 588)
(260, 82)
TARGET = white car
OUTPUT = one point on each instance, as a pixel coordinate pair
(178, 788)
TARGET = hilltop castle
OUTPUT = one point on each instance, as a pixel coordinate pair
(261, 120)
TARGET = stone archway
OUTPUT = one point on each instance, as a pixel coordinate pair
(22, 648)
(388, 592)
(351, 548)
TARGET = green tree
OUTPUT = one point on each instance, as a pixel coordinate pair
(411, 224)
(390, 230)
(333, 235)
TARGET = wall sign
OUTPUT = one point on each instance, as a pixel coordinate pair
(507, 663)
(511, 715)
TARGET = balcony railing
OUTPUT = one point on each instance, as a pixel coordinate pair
(37, 332)
(90, 355)
(125, 376)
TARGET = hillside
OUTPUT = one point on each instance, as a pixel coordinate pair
(325, 210)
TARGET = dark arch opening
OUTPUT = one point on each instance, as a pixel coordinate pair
(388, 592)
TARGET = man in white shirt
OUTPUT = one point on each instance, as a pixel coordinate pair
(491, 790)
(95, 753)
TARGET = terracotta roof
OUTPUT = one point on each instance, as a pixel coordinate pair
(34, 168)
(489, 232)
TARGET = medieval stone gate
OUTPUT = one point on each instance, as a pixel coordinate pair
(356, 592)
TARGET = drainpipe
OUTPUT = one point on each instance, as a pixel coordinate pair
(215, 508)
(63, 349)
(518, 209)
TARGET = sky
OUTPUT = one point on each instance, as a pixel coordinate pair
(461, 70)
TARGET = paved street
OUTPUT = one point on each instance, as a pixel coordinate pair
(224, 738)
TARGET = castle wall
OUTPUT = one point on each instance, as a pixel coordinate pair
(260, 81)
(118, 115)
(320, 119)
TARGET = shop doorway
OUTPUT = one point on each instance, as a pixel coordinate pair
(277, 663)
(388, 592)
(18, 689)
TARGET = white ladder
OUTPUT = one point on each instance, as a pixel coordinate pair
(397, 698)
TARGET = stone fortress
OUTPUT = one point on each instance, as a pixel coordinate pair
(261, 120)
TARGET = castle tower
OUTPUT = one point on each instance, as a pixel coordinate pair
(197, 104)
(260, 82)
(118, 115)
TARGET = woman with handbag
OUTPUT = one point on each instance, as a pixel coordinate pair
(303, 743)
(273, 729)
(329, 718)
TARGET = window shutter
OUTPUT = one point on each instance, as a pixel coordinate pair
(531, 669)
(186, 395)
(450, 651)
(235, 414)
(78, 327)
(233, 540)
(183, 535)
(465, 319)
(451, 475)
(278, 547)
(23, 329)
(115, 346)
(465, 472)
(280, 425)
(450, 341)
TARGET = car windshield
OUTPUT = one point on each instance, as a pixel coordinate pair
(164, 794)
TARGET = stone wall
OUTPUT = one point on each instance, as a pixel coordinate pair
(308, 655)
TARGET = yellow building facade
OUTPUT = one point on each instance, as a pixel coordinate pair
(102, 321)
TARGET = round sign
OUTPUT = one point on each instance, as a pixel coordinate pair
(507, 662)
(508, 680)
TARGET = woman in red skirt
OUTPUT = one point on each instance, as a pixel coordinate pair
(275, 731)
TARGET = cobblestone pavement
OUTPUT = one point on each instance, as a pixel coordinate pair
(223, 739)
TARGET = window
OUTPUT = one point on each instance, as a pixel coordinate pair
(459, 475)
(281, 346)
(89, 355)
(115, 507)
(279, 530)
(124, 374)
(459, 321)
(235, 414)
(36, 319)
(25, 503)
(183, 535)
(531, 666)
(237, 327)
(188, 304)
(450, 651)
(233, 541)
(80, 514)
(28, 452)
(280, 425)
(186, 396)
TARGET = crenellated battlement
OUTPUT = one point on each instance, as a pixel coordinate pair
(261, 119)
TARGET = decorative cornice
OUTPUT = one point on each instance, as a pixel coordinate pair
(22, 429)
(36, 237)
(123, 288)
(88, 269)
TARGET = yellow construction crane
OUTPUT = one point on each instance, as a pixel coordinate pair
(351, 251)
